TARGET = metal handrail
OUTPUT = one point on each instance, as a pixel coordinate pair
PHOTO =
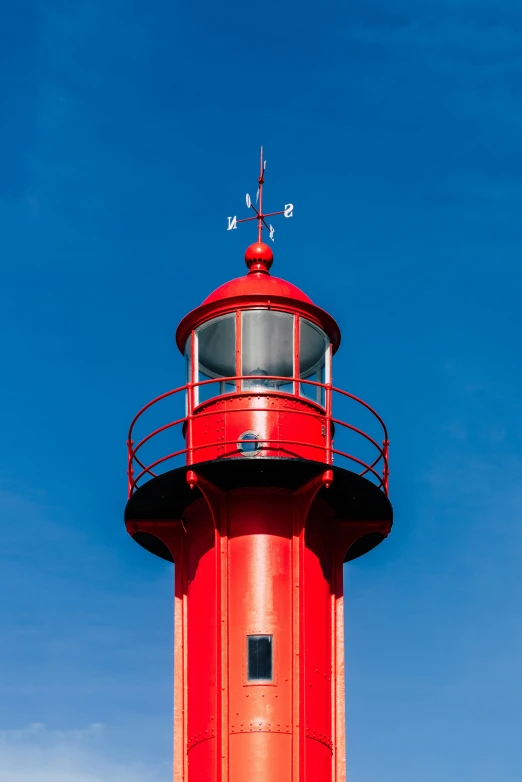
(324, 414)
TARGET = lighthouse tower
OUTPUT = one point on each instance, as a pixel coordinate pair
(258, 490)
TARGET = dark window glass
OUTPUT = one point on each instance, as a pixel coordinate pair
(259, 657)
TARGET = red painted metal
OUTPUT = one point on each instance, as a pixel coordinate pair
(246, 412)
(259, 258)
(265, 285)
(252, 561)
(258, 561)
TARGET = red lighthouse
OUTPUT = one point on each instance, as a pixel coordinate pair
(258, 490)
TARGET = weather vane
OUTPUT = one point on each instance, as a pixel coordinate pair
(259, 215)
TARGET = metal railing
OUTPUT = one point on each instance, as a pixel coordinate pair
(135, 463)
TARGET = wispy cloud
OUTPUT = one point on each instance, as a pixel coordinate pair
(71, 653)
(36, 754)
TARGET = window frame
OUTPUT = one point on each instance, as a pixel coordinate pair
(326, 358)
(195, 359)
(258, 637)
(273, 682)
(239, 340)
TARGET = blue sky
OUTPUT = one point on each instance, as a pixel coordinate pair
(129, 132)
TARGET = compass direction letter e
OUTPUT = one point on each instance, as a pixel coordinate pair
(232, 223)
(289, 210)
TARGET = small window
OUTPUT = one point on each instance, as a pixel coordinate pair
(249, 444)
(259, 653)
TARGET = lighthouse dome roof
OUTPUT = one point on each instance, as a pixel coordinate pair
(258, 282)
(257, 285)
(258, 288)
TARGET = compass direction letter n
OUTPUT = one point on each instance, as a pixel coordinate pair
(232, 223)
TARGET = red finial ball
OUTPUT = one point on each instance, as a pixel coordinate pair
(259, 258)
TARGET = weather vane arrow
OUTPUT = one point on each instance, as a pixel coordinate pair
(260, 216)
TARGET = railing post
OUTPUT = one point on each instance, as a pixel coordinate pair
(328, 401)
(190, 416)
(130, 469)
(385, 469)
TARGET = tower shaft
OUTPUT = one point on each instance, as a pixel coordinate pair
(258, 566)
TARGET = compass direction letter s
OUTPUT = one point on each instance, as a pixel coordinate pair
(289, 210)
(232, 223)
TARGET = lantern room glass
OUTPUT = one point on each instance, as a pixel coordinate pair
(314, 352)
(267, 349)
(215, 357)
